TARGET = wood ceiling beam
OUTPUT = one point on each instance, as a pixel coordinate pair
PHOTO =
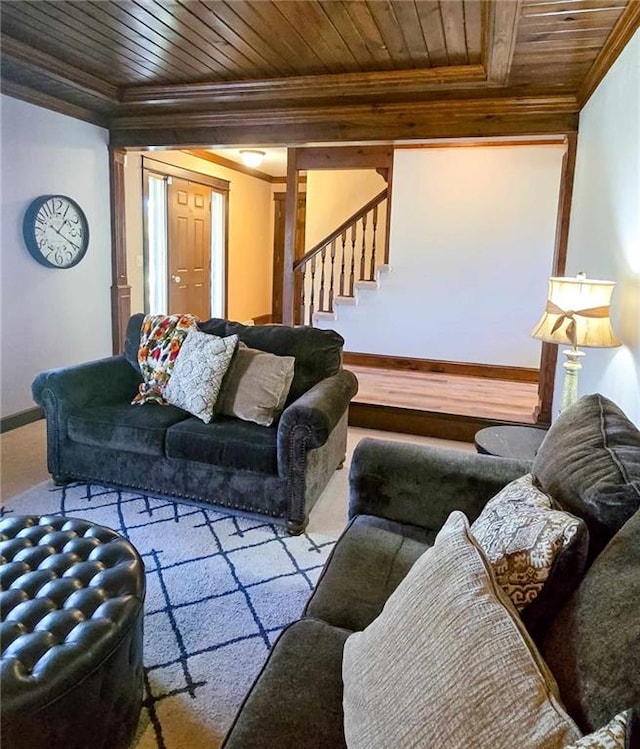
(438, 119)
(345, 157)
(626, 26)
(308, 86)
(501, 29)
(41, 63)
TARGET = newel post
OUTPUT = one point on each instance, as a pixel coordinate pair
(290, 226)
(120, 289)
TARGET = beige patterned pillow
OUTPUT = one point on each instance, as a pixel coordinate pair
(448, 662)
(198, 371)
(522, 536)
(611, 736)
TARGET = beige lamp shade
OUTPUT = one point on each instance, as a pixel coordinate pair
(577, 313)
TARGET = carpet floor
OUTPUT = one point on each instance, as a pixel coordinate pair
(220, 588)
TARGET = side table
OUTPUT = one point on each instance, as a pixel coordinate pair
(517, 442)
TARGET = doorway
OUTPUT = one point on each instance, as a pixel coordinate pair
(185, 241)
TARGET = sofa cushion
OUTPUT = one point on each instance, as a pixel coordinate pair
(538, 554)
(367, 564)
(230, 443)
(590, 463)
(318, 353)
(296, 702)
(593, 645)
(198, 373)
(256, 386)
(132, 339)
(448, 663)
(121, 426)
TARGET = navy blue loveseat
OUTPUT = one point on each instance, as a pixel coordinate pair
(94, 434)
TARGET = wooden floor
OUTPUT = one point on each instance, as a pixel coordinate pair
(478, 397)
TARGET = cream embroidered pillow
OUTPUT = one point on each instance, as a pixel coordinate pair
(538, 553)
(198, 371)
(448, 663)
(611, 736)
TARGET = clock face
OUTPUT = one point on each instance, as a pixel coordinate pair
(56, 231)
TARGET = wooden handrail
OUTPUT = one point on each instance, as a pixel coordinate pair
(342, 228)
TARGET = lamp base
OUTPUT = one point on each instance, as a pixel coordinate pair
(570, 387)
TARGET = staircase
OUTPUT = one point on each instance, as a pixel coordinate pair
(352, 258)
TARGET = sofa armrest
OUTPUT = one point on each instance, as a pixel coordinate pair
(421, 485)
(103, 381)
(312, 417)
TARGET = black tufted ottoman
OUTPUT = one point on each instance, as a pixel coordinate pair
(71, 634)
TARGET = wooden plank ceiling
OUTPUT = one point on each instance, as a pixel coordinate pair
(278, 71)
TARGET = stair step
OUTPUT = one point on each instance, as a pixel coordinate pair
(325, 315)
(383, 269)
(367, 284)
(345, 300)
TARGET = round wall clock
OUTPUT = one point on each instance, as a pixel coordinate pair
(56, 231)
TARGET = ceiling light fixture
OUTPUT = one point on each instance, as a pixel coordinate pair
(251, 157)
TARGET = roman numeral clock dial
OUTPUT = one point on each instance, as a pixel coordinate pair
(56, 231)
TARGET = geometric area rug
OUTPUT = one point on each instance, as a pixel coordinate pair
(220, 588)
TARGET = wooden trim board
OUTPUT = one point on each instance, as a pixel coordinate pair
(405, 363)
(425, 423)
(20, 419)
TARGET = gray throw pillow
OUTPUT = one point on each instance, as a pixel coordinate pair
(256, 386)
(589, 462)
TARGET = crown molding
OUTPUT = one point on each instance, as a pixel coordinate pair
(44, 64)
(344, 85)
(620, 35)
(53, 103)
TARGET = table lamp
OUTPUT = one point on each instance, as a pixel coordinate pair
(577, 313)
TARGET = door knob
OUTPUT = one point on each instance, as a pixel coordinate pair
(176, 279)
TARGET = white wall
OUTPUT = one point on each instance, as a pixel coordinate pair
(471, 247)
(604, 234)
(334, 195)
(51, 318)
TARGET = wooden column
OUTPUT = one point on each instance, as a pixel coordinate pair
(549, 355)
(120, 289)
(290, 227)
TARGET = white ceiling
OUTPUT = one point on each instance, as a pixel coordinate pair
(274, 162)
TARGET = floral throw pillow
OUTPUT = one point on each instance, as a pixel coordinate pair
(198, 372)
(538, 554)
(161, 337)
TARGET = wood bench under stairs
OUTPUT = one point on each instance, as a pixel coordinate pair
(354, 259)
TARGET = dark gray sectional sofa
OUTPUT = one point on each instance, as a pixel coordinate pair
(95, 434)
(400, 496)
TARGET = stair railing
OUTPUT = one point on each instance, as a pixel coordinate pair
(329, 268)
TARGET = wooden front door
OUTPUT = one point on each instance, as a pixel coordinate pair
(189, 248)
(278, 248)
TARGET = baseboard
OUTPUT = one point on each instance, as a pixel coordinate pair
(406, 363)
(7, 423)
(424, 423)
